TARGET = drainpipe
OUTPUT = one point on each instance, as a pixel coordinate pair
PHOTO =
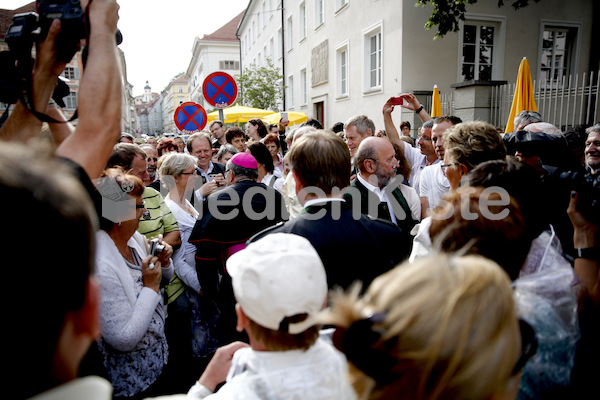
(241, 69)
(283, 51)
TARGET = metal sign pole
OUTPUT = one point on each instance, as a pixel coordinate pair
(221, 117)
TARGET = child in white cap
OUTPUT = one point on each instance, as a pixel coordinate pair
(280, 286)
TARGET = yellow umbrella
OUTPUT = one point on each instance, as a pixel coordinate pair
(524, 96)
(436, 105)
(295, 117)
(238, 114)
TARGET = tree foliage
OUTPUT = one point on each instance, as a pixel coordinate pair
(261, 87)
(447, 14)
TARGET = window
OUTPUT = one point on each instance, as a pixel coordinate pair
(477, 52)
(180, 89)
(291, 91)
(319, 13)
(340, 3)
(302, 20)
(290, 33)
(373, 59)
(558, 48)
(303, 87)
(71, 73)
(71, 101)
(272, 47)
(280, 38)
(342, 70)
(481, 48)
(264, 14)
(229, 64)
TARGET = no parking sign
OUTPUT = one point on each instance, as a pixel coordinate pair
(219, 89)
(190, 117)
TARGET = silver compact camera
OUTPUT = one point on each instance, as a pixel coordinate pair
(155, 247)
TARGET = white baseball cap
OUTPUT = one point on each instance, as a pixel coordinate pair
(278, 276)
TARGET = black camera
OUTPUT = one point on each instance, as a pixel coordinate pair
(30, 28)
(73, 26)
(587, 187)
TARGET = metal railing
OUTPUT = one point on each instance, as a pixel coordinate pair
(566, 103)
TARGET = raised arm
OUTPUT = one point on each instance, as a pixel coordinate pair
(585, 235)
(99, 106)
(410, 103)
(21, 124)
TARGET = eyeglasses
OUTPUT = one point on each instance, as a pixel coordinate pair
(423, 138)
(444, 166)
(393, 165)
(142, 206)
(155, 159)
(529, 345)
(195, 172)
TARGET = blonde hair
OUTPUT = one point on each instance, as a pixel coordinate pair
(446, 329)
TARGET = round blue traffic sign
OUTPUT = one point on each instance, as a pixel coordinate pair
(190, 117)
(219, 89)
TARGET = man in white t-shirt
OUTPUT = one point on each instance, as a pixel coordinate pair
(434, 183)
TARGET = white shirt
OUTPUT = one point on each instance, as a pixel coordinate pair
(317, 373)
(381, 193)
(183, 257)
(434, 184)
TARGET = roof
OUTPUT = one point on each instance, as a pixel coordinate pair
(226, 33)
(7, 15)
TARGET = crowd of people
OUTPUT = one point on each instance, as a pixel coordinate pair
(297, 261)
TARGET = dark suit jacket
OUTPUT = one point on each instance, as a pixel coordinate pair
(216, 238)
(352, 249)
(406, 222)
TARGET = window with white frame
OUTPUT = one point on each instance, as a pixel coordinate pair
(272, 48)
(302, 14)
(264, 14)
(342, 70)
(290, 90)
(557, 52)
(373, 59)
(340, 3)
(280, 40)
(303, 87)
(71, 73)
(481, 48)
(319, 12)
(477, 51)
(70, 101)
(290, 33)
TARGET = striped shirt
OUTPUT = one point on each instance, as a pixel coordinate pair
(161, 220)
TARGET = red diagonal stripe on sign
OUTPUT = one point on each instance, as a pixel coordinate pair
(220, 90)
(190, 118)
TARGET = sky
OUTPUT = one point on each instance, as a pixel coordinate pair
(158, 35)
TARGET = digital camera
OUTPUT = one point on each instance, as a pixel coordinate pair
(155, 247)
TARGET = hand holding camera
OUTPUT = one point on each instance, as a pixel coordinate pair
(161, 250)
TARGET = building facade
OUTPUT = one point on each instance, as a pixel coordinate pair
(175, 94)
(219, 51)
(341, 58)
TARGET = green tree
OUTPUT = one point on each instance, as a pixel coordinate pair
(261, 87)
(446, 14)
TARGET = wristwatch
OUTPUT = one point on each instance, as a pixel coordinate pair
(592, 253)
(418, 110)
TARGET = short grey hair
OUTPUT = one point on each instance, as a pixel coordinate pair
(527, 117)
(362, 123)
(226, 148)
(595, 128)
